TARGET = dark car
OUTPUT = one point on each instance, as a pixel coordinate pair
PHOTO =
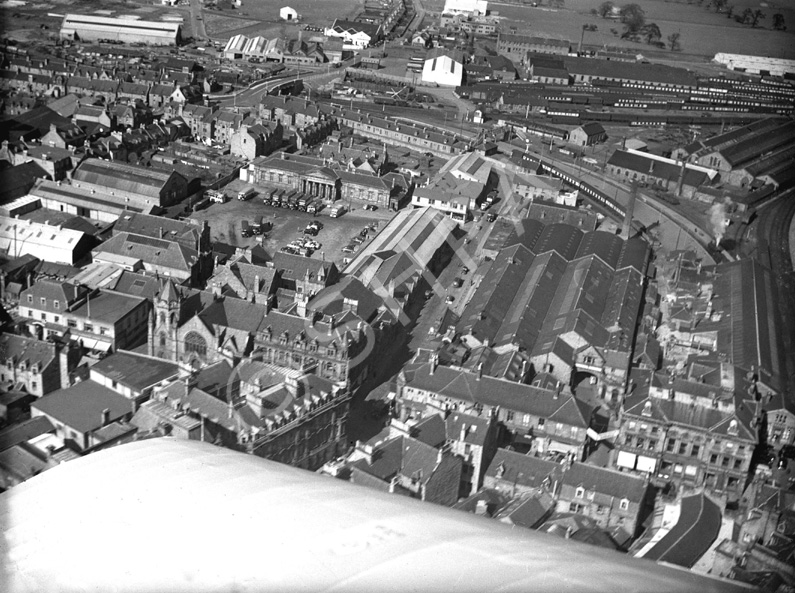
(371, 207)
(458, 282)
(491, 217)
(310, 230)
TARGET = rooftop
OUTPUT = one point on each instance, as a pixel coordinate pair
(134, 370)
(81, 407)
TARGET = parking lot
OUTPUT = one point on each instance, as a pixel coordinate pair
(226, 223)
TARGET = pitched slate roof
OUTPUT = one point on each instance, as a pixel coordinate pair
(523, 470)
(446, 382)
(30, 351)
(123, 177)
(80, 407)
(608, 482)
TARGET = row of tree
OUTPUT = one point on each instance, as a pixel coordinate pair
(633, 17)
(749, 16)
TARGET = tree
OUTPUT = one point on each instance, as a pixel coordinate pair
(605, 9)
(633, 17)
(729, 11)
(673, 41)
(720, 4)
(651, 32)
(557, 3)
(757, 16)
(746, 16)
(778, 22)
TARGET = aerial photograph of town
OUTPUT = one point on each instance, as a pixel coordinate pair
(270, 272)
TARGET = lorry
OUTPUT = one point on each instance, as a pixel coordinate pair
(246, 194)
(337, 211)
(215, 196)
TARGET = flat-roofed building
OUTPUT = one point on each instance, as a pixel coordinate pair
(82, 27)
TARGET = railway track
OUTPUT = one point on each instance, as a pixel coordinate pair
(773, 251)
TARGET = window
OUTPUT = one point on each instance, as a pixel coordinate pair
(738, 463)
(57, 304)
(580, 492)
(30, 298)
(526, 419)
(694, 450)
(509, 416)
(624, 504)
(671, 445)
(640, 443)
(575, 508)
(44, 317)
(56, 318)
(89, 327)
(194, 343)
(682, 448)
(540, 423)
(43, 301)
(71, 323)
(713, 459)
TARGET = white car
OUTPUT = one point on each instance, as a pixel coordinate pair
(313, 245)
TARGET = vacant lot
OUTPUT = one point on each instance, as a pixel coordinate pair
(225, 224)
(703, 32)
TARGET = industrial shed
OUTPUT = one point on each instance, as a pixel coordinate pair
(79, 27)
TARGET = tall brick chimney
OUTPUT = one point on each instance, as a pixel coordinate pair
(626, 229)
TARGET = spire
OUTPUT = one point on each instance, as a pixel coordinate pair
(170, 293)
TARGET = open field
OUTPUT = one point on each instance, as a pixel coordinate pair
(703, 32)
(319, 13)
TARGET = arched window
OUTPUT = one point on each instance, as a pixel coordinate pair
(195, 343)
(162, 318)
(162, 339)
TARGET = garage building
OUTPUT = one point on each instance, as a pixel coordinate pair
(79, 27)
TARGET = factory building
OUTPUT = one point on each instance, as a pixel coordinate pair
(79, 27)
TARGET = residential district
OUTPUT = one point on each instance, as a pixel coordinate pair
(543, 284)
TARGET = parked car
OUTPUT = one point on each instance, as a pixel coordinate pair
(371, 207)
(245, 229)
(310, 230)
(450, 298)
(457, 283)
(491, 217)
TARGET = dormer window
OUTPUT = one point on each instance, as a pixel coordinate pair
(43, 301)
(30, 298)
(733, 427)
(580, 492)
(647, 409)
(57, 304)
(624, 504)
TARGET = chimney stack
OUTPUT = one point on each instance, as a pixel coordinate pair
(434, 362)
(626, 230)
(105, 416)
(480, 371)
(681, 179)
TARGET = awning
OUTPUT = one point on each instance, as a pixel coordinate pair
(646, 464)
(92, 344)
(626, 459)
(561, 447)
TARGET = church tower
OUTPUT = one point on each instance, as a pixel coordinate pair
(164, 339)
